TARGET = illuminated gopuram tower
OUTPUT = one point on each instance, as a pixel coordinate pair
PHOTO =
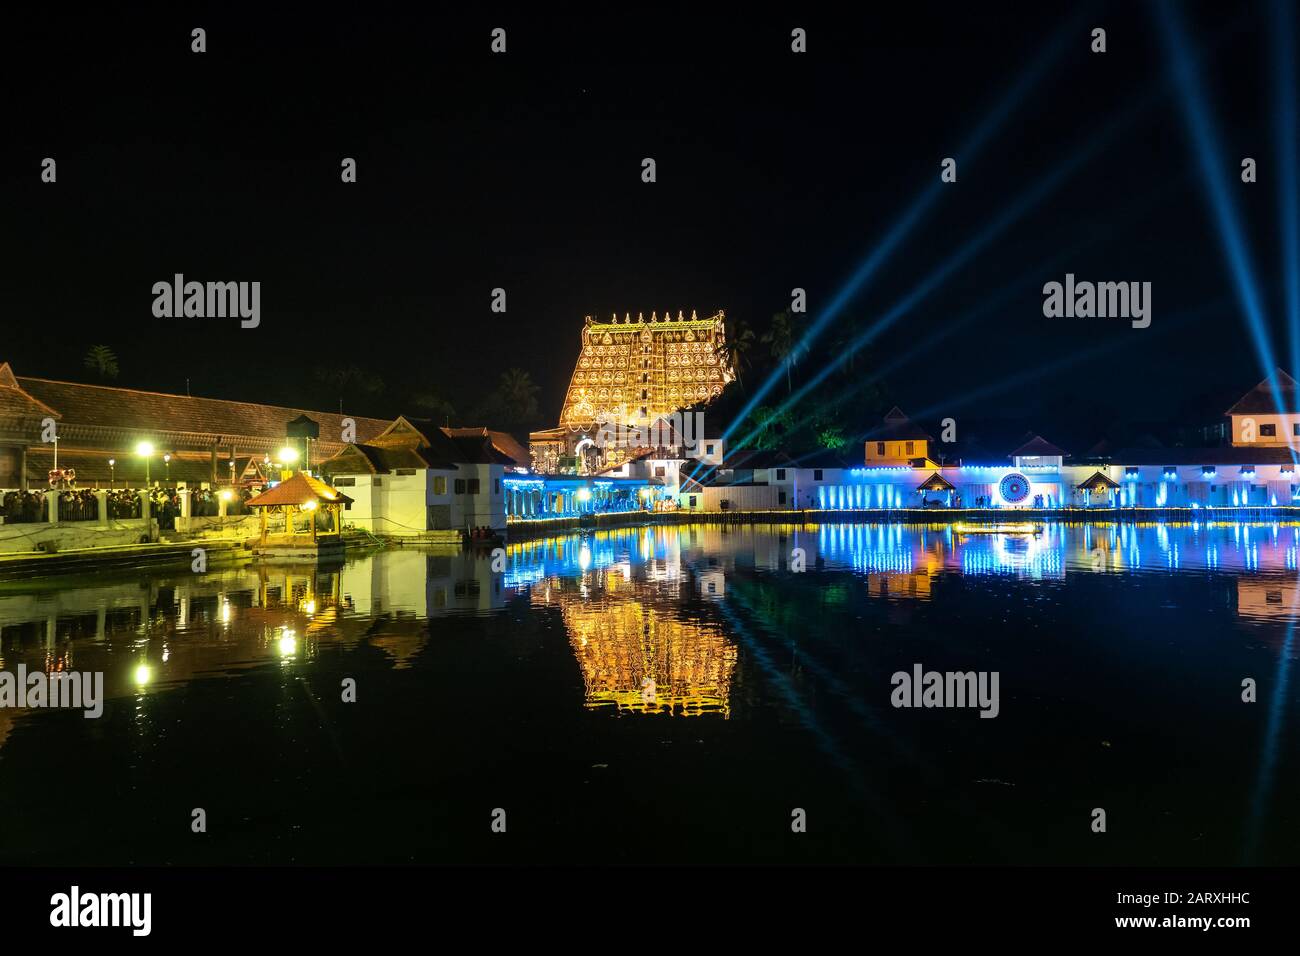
(635, 371)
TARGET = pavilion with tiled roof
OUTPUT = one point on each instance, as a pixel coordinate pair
(301, 494)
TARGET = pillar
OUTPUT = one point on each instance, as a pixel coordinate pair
(22, 468)
(52, 506)
(185, 502)
(145, 511)
(221, 505)
(101, 506)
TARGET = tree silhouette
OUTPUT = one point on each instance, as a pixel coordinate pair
(739, 341)
(101, 360)
(437, 407)
(782, 339)
(349, 381)
(518, 394)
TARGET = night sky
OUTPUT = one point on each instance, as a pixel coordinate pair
(522, 170)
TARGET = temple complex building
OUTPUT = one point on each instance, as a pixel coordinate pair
(632, 381)
(194, 440)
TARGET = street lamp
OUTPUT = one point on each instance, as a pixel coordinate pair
(288, 456)
(145, 451)
(112, 472)
(167, 460)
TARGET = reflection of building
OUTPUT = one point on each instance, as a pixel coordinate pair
(623, 639)
(1266, 597)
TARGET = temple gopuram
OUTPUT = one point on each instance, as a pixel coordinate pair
(632, 372)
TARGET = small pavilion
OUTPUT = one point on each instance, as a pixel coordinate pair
(301, 494)
(1099, 484)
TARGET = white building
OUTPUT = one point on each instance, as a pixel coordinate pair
(415, 478)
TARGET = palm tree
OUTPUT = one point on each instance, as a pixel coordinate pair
(349, 381)
(782, 338)
(739, 340)
(518, 394)
(845, 344)
(438, 407)
(101, 360)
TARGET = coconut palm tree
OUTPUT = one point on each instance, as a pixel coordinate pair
(518, 394)
(782, 339)
(101, 360)
(845, 343)
(438, 408)
(739, 340)
(349, 381)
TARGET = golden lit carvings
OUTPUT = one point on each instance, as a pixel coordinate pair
(673, 362)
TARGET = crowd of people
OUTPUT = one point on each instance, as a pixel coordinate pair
(23, 507)
(82, 504)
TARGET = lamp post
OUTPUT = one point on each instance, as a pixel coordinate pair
(112, 472)
(167, 460)
(145, 451)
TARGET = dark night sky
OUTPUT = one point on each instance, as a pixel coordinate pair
(523, 171)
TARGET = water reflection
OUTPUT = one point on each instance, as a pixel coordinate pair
(641, 607)
(571, 664)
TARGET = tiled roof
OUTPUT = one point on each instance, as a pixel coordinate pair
(16, 403)
(898, 427)
(298, 490)
(1038, 447)
(109, 407)
(503, 442)
(936, 482)
(1098, 478)
(1262, 400)
(478, 449)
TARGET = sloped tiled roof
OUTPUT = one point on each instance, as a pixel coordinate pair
(898, 427)
(110, 407)
(1098, 478)
(17, 403)
(1038, 447)
(503, 442)
(936, 482)
(478, 449)
(1262, 400)
(298, 490)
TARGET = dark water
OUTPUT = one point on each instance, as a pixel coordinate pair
(1120, 650)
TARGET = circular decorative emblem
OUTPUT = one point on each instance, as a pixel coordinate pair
(1014, 488)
